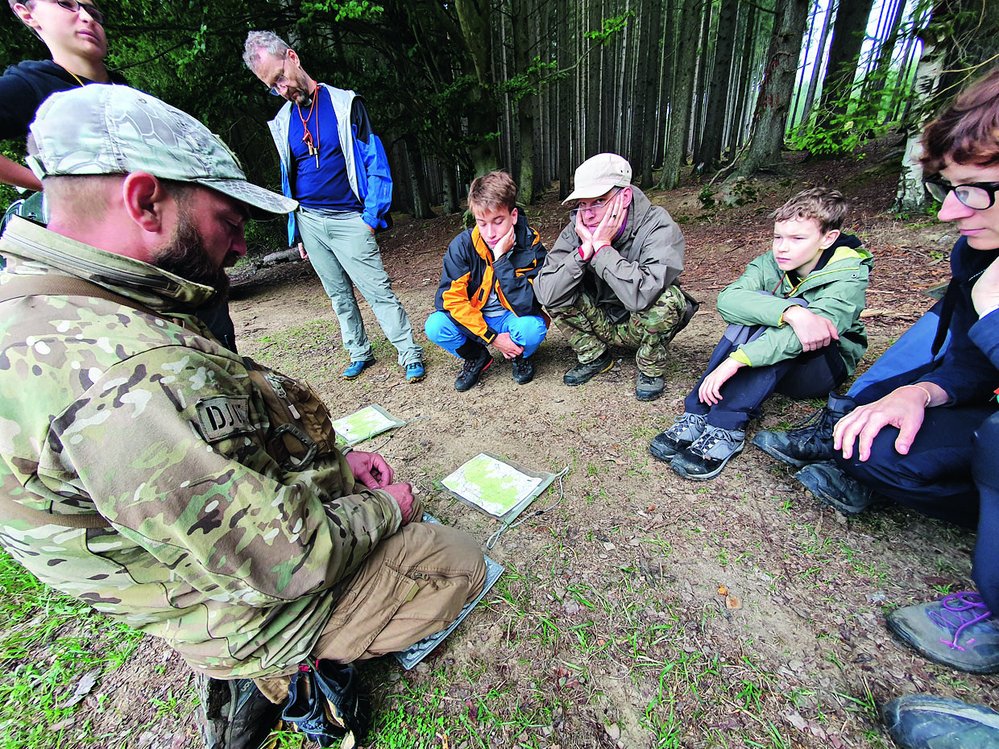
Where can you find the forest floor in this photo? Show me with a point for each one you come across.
(611, 626)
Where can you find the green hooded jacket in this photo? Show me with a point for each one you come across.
(835, 291)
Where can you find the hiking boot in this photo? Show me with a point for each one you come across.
(686, 428)
(648, 388)
(812, 440)
(235, 715)
(958, 631)
(472, 369)
(708, 454)
(522, 369)
(415, 372)
(354, 369)
(919, 721)
(833, 486)
(585, 372)
(327, 703)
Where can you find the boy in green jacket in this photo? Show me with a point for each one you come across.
(794, 327)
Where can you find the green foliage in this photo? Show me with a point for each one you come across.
(706, 197)
(609, 28)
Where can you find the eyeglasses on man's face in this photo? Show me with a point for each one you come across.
(281, 81)
(979, 196)
(74, 7)
(593, 206)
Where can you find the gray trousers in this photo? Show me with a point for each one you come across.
(345, 254)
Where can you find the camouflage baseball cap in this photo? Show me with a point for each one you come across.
(102, 129)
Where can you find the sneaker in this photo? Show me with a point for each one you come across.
(919, 721)
(585, 372)
(648, 388)
(472, 370)
(812, 440)
(958, 631)
(833, 486)
(415, 372)
(522, 370)
(235, 715)
(354, 369)
(708, 454)
(686, 428)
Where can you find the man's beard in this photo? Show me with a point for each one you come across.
(186, 257)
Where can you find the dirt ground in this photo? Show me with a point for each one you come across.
(609, 628)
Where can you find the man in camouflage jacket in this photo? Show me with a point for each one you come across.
(148, 470)
(612, 277)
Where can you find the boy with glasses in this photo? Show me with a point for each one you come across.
(612, 277)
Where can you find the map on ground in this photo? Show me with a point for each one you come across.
(364, 424)
(496, 486)
(420, 650)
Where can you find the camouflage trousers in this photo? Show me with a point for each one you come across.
(591, 331)
(413, 584)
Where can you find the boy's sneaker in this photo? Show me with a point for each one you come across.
(585, 372)
(708, 454)
(354, 369)
(958, 631)
(812, 440)
(833, 486)
(648, 388)
(919, 721)
(234, 714)
(472, 370)
(686, 428)
(522, 369)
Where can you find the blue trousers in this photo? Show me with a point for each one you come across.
(809, 375)
(905, 361)
(527, 331)
(985, 458)
(935, 477)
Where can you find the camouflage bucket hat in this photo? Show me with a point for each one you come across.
(101, 129)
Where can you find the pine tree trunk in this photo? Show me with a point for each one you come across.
(482, 111)
(770, 117)
(676, 141)
(648, 126)
(714, 119)
(813, 82)
(841, 67)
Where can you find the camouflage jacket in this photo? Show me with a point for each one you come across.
(224, 538)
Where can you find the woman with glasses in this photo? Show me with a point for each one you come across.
(74, 34)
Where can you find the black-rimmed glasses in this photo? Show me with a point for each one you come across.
(979, 196)
(74, 7)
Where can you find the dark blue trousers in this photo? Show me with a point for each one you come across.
(809, 375)
(935, 477)
(985, 568)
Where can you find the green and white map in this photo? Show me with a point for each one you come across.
(491, 484)
(364, 424)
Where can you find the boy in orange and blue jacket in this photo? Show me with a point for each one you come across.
(486, 294)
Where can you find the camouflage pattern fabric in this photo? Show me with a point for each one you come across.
(234, 519)
(591, 331)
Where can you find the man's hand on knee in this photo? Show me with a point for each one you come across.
(370, 469)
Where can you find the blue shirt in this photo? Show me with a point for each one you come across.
(325, 187)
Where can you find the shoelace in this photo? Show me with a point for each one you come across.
(702, 446)
(813, 423)
(954, 613)
(683, 423)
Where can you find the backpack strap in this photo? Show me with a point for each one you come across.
(52, 284)
(12, 510)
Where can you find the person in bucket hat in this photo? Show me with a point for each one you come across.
(183, 490)
(612, 277)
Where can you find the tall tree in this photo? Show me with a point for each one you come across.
(844, 52)
(475, 17)
(683, 84)
(714, 120)
(774, 99)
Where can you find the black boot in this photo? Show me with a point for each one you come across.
(235, 715)
(477, 360)
(522, 370)
(812, 440)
